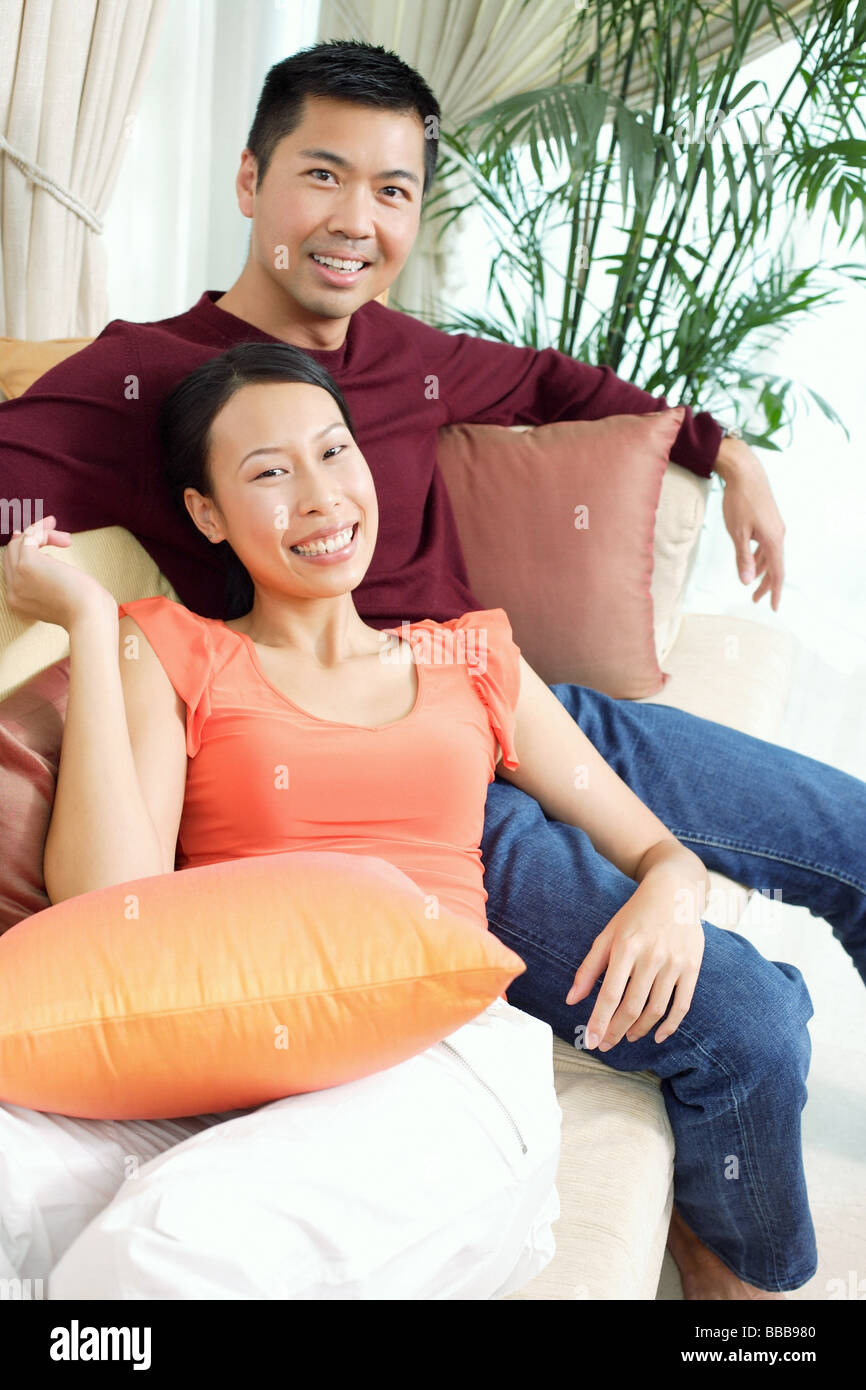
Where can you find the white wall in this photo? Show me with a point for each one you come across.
(819, 479)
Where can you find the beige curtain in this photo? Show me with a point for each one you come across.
(71, 74)
(473, 53)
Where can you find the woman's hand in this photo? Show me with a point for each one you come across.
(654, 945)
(649, 949)
(39, 586)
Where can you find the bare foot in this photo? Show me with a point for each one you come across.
(703, 1274)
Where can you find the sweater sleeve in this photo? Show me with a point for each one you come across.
(182, 642)
(74, 439)
(492, 383)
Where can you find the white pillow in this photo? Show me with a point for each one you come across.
(412, 1183)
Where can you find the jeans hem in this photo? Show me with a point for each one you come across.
(787, 1284)
(741, 1122)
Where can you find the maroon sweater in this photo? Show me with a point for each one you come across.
(84, 440)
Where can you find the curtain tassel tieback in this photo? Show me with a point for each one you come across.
(63, 195)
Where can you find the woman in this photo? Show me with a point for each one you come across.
(261, 455)
(271, 493)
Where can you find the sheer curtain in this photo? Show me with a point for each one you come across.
(174, 229)
(71, 76)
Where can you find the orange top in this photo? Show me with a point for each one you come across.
(264, 776)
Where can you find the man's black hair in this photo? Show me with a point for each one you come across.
(344, 70)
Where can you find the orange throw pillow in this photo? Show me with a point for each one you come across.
(229, 985)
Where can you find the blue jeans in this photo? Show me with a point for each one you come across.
(733, 1075)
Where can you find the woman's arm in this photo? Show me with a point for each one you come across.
(654, 944)
(572, 782)
(122, 773)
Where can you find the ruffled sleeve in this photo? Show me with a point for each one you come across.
(493, 664)
(182, 642)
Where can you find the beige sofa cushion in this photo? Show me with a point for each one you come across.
(730, 670)
(23, 362)
(112, 556)
(679, 520)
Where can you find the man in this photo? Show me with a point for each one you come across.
(340, 154)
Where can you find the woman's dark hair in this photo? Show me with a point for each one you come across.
(188, 412)
(344, 70)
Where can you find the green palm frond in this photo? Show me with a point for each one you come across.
(689, 184)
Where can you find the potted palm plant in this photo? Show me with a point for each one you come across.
(641, 206)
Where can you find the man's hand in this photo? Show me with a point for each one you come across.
(751, 513)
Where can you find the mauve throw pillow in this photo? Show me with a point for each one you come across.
(31, 733)
(557, 525)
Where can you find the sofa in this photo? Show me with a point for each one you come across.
(616, 1172)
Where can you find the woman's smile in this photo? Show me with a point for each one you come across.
(337, 547)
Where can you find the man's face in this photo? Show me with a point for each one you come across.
(347, 184)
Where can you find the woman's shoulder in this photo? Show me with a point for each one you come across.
(184, 644)
(180, 638)
(167, 617)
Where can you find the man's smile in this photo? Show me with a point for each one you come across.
(339, 270)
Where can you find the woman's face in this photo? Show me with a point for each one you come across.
(286, 471)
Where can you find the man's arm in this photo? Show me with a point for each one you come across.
(490, 383)
(71, 445)
(482, 382)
